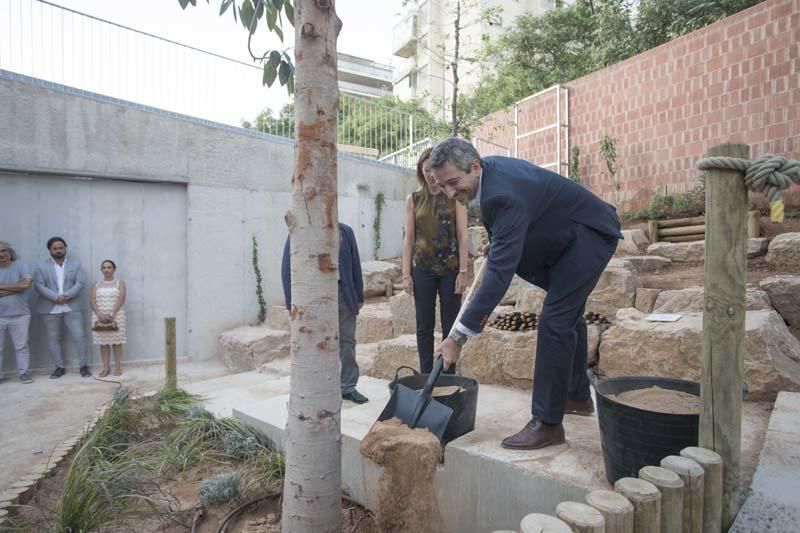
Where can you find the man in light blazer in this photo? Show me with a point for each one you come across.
(59, 282)
(553, 233)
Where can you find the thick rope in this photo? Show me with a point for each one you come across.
(768, 174)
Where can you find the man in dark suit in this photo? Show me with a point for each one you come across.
(351, 299)
(552, 233)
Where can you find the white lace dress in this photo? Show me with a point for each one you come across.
(107, 296)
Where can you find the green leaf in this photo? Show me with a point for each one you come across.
(290, 85)
(183, 3)
(287, 7)
(259, 8)
(269, 74)
(278, 32)
(271, 16)
(278, 4)
(224, 7)
(246, 13)
(284, 72)
(275, 58)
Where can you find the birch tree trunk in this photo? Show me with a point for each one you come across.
(312, 486)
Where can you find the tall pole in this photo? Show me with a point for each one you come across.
(170, 354)
(724, 321)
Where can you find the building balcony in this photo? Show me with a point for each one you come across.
(404, 41)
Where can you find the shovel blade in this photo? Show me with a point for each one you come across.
(402, 404)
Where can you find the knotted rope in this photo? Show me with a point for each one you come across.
(768, 174)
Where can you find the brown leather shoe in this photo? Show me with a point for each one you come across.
(536, 434)
(579, 407)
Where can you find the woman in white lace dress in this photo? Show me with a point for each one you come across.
(108, 317)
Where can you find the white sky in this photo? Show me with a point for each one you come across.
(42, 41)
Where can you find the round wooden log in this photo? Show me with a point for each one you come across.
(581, 518)
(753, 224)
(615, 508)
(681, 230)
(646, 500)
(675, 222)
(671, 487)
(712, 485)
(692, 475)
(652, 230)
(542, 523)
(684, 238)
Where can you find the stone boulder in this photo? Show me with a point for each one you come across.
(378, 275)
(636, 347)
(404, 314)
(517, 285)
(476, 237)
(627, 247)
(646, 299)
(615, 290)
(248, 347)
(784, 251)
(374, 323)
(393, 353)
(691, 300)
(365, 357)
(679, 252)
(636, 236)
(784, 293)
(648, 263)
(278, 318)
(530, 299)
(756, 247)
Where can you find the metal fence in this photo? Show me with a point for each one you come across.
(41, 39)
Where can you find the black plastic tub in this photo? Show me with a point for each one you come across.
(632, 438)
(464, 403)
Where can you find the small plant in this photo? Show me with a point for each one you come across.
(380, 201)
(262, 304)
(259, 473)
(608, 151)
(220, 489)
(240, 445)
(574, 165)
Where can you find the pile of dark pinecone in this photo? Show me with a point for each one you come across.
(517, 321)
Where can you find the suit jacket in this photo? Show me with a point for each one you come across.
(350, 279)
(44, 281)
(534, 216)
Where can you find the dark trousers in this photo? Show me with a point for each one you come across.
(562, 347)
(426, 286)
(347, 345)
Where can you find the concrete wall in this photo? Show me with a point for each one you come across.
(237, 185)
(737, 80)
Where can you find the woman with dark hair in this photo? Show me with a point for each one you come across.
(434, 258)
(108, 317)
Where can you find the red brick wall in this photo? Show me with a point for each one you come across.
(734, 81)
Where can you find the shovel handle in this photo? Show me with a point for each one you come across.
(425, 395)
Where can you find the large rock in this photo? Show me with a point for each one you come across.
(615, 290)
(691, 300)
(679, 251)
(648, 263)
(278, 318)
(394, 353)
(784, 251)
(784, 293)
(636, 236)
(378, 275)
(404, 314)
(627, 247)
(757, 247)
(517, 285)
(374, 323)
(646, 299)
(636, 347)
(249, 347)
(476, 237)
(530, 299)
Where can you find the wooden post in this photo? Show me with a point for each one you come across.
(615, 508)
(646, 502)
(671, 487)
(679, 231)
(581, 518)
(712, 483)
(652, 230)
(692, 476)
(723, 322)
(170, 357)
(542, 523)
(754, 224)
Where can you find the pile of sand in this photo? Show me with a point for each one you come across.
(660, 400)
(410, 458)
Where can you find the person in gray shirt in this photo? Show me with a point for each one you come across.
(15, 315)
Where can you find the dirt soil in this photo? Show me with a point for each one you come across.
(410, 457)
(660, 401)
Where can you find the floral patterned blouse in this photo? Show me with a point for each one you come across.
(435, 242)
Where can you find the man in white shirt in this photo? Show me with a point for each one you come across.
(59, 283)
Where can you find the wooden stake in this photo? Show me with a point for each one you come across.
(671, 487)
(170, 356)
(685, 238)
(692, 476)
(652, 230)
(712, 483)
(754, 224)
(615, 508)
(678, 231)
(581, 517)
(646, 502)
(675, 222)
(542, 523)
(723, 322)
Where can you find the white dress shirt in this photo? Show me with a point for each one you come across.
(458, 325)
(59, 269)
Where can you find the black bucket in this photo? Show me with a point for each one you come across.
(632, 438)
(464, 402)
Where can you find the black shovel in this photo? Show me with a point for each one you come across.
(418, 409)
